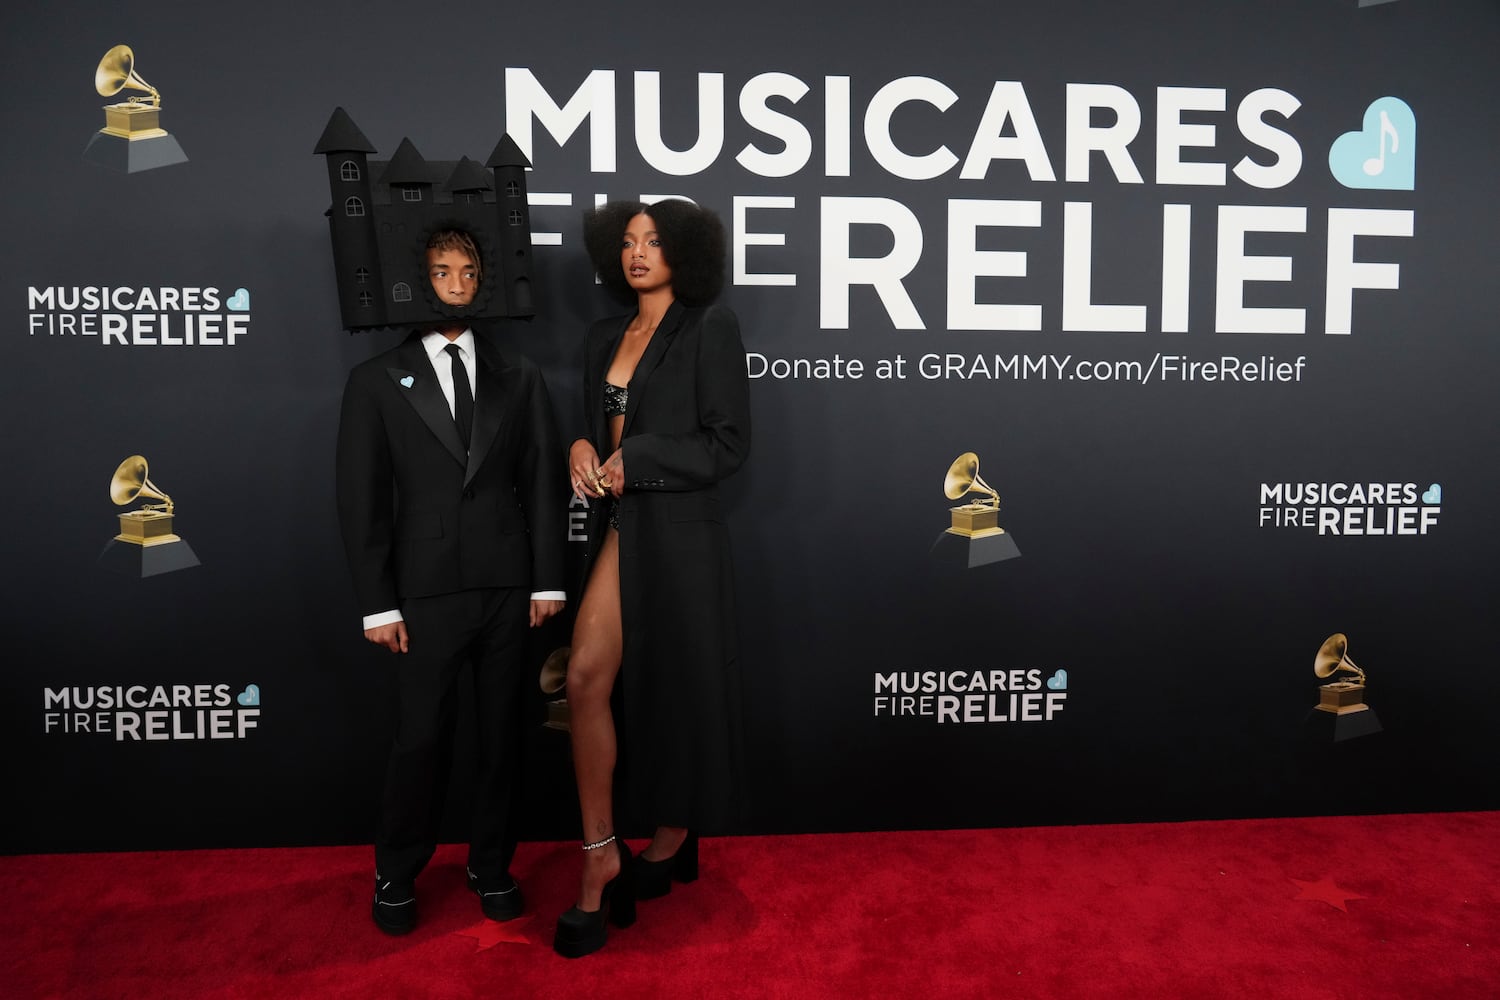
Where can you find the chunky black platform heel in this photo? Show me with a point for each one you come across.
(581, 932)
(653, 879)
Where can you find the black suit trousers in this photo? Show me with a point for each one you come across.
(484, 629)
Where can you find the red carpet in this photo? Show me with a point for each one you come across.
(1385, 906)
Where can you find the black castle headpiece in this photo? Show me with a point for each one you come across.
(383, 213)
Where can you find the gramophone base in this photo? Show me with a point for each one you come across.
(1342, 709)
(1330, 727)
(955, 551)
(559, 716)
(139, 561)
(975, 519)
(131, 156)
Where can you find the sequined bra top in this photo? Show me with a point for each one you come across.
(615, 397)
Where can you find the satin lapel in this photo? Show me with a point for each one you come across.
(497, 383)
(598, 363)
(426, 396)
(655, 351)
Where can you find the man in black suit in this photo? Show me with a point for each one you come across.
(449, 476)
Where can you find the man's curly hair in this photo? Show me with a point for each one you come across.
(692, 241)
(457, 239)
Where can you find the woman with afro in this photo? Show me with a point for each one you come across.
(653, 678)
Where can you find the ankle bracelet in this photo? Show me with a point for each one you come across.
(603, 843)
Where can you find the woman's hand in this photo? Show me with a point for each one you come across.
(613, 473)
(583, 463)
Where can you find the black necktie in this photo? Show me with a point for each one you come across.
(463, 397)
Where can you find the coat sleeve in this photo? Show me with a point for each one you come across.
(365, 498)
(701, 457)
(585, 429)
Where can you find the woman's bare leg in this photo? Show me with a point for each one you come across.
(592, 667)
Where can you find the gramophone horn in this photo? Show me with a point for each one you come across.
(555, 671)
(963, 477)
(117, 71)
(1333, 657)
(130, 481)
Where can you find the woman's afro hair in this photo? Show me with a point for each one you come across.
(692, 241)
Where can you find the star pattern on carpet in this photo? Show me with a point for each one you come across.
(1327, 891)
(490, 933)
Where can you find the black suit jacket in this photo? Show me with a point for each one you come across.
(419, 516)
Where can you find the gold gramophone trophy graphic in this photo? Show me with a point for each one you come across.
(147, 545)
(1342, 702)
(132, 138)
(975, 537)
(554, 681)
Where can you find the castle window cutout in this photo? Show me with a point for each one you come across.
(512, 189)
(400, 292)
(467, 197)
(410, 192)
(515, 218)
(349, 171)
(366, 299)
(361, 275)
(354, 207)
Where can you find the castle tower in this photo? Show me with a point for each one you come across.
(466, 186)
(408, 184)
(513, 224)
(351, 222)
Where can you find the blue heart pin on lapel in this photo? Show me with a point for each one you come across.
(408, 381)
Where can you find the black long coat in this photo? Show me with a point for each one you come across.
(687, 428)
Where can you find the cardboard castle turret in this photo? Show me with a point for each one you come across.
(383, 212)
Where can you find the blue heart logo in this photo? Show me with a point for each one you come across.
(1382, 155)
(249, 696)
(1058, 681)
(408, 381)
(1434, 494)
(239, 302)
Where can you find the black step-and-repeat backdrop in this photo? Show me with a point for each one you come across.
(1122, 373)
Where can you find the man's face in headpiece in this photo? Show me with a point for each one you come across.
(454, 276)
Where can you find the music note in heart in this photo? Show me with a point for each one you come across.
(1375, 165)
(1382, 153)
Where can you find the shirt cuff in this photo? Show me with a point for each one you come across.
(383, 618)
(550, 595)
